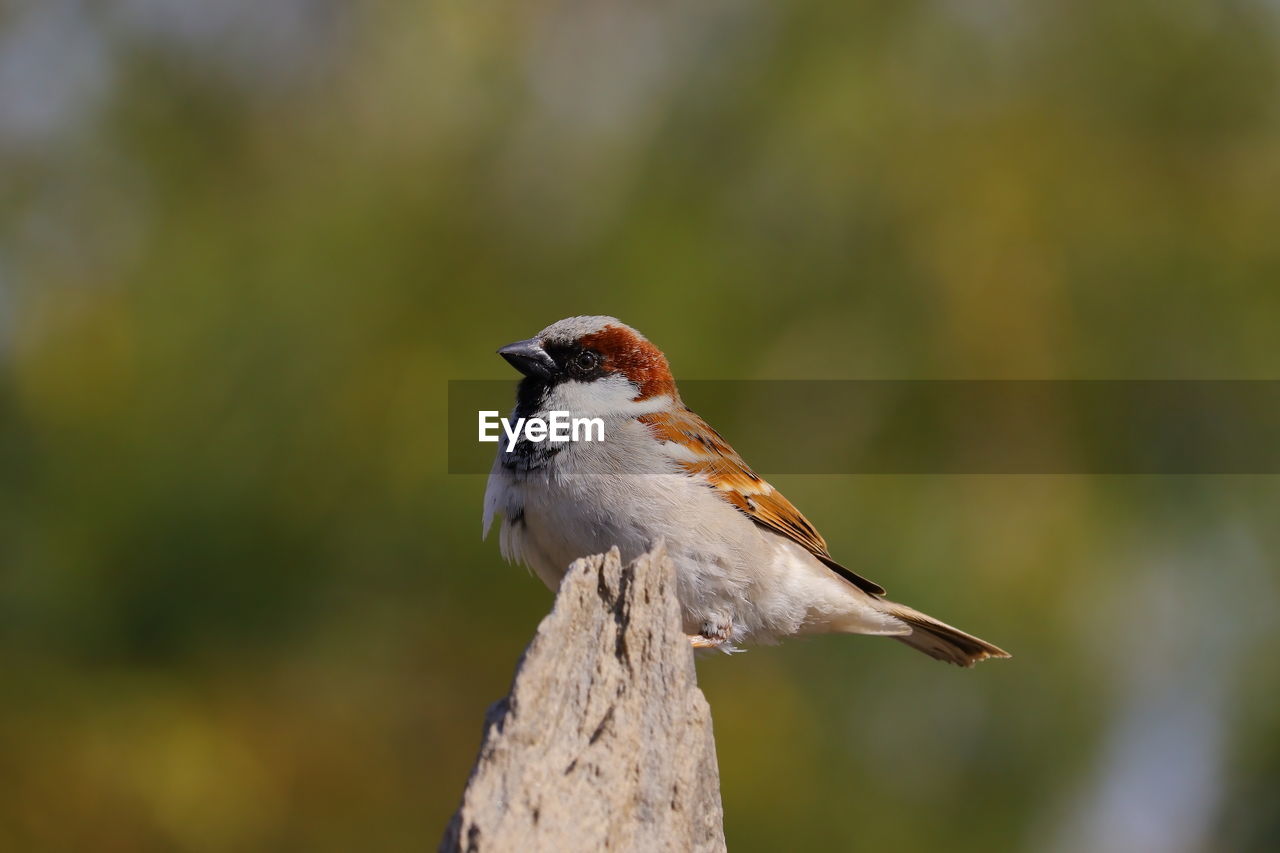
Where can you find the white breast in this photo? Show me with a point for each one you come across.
(732, 574)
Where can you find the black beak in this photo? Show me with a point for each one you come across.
(529, 358)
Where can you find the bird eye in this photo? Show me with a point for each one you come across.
(586, 361)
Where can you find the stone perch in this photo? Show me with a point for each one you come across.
(604, 742)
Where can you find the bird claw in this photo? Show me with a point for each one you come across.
(720, 644)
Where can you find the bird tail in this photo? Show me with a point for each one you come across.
(939, 640)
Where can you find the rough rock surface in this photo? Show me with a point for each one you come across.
(605, 741)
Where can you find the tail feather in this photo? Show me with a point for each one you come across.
(939, 640)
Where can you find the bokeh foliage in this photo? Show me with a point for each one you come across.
(244, 246)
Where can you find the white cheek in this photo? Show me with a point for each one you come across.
(609, 395)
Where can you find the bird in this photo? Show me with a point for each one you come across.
(750, 568)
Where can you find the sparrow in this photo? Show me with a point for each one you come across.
(749, 567)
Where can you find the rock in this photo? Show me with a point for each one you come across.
(605, 741)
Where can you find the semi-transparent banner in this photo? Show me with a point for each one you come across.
(951, 427)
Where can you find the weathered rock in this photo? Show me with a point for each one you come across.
(605, 741)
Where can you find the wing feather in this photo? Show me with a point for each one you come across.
(703, 452)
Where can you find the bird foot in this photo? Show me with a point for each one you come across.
(719, 640)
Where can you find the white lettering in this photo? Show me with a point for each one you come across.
(558, 427)
(487, 423)
(587, 424)
(512, 434)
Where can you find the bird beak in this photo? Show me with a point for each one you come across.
(529, 358)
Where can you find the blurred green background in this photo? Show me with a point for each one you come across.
(244, 245)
